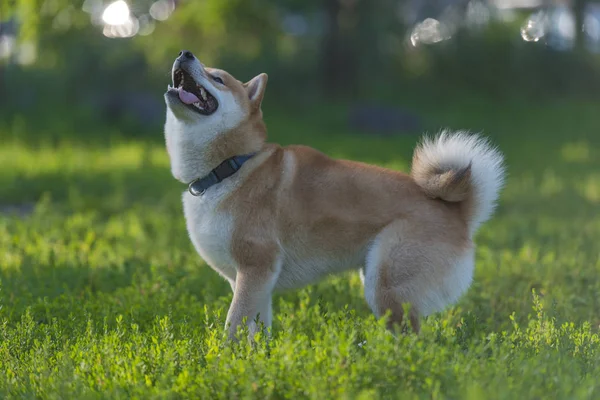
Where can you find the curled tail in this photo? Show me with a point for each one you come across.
(460, 167)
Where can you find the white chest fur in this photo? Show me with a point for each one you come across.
(210, 231)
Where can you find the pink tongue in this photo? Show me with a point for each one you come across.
(187, 97)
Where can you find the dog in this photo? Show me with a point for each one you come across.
(270, 218)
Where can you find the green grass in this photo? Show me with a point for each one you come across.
(103, 296)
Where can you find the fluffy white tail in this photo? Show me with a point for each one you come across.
(460, 167)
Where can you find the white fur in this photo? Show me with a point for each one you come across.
(210, 231)
(455, 151)
(430, 296)
(368, 274)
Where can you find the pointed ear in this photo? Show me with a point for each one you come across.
(256, 89)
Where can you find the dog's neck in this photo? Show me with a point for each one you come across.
(194, 153)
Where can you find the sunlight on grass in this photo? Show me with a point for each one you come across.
(67, 157)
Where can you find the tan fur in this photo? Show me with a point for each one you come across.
(293, 215)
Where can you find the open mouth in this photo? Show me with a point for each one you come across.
(192, 94)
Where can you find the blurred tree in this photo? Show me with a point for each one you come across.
(579, 9)
(341, 48)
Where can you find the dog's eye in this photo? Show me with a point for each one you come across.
(217, 79)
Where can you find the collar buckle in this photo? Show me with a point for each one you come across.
(193, 190)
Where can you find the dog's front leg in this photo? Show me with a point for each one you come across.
(251, 299)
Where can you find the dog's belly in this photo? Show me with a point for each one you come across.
(306, 266)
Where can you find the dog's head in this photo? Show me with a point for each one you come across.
(210, 116)
(209, 99)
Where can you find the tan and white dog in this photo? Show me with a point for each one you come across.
(283, 217)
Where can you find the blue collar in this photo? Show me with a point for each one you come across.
(224, 170)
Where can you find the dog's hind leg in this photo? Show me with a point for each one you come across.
(412, 264)
(383, 297)
(381, 277)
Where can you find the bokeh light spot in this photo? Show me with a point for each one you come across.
(534, 28)
(429, 31)
(116, 13)
(162, 9)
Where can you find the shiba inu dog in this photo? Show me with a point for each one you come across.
(269, 218)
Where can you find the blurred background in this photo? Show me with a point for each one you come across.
(105, 64)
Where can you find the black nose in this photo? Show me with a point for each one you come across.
(186, 54)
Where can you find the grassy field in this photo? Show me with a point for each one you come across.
(103, 296)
